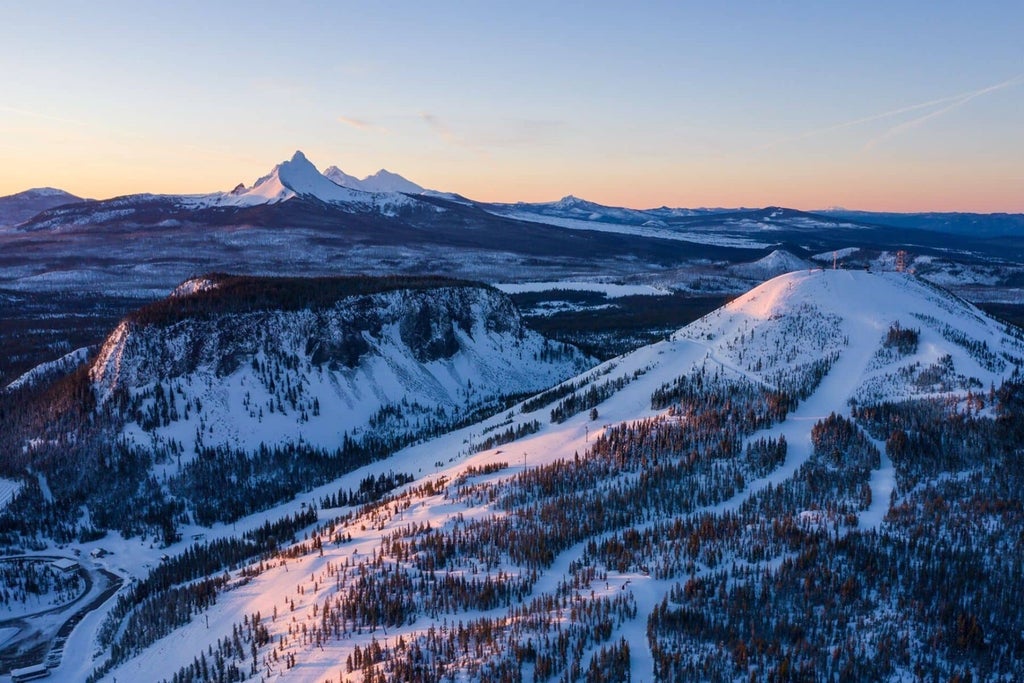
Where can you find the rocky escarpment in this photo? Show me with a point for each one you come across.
(271, 359)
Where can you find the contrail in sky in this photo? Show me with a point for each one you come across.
(951, 102)
(38, 115)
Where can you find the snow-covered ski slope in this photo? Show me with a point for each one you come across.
(823, 336)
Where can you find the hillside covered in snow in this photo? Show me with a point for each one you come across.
(20, 207)
(775, 491)
(237, 393)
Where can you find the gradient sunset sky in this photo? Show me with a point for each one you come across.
(898, 105)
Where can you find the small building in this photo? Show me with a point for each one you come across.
(29, 673)
(97, 553)
(64, 565)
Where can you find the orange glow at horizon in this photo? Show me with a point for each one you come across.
(897, 188)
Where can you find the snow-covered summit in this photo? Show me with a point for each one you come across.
(22, 206)
(797, 319)
(573, 202)
(45, 192)
(386, 181)
(339, 177)
(776, 263)
(298, 177)
(381, 181)
(292, 178)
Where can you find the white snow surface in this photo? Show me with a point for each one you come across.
(291, 178)
(610, 290)
(776, 263)
(489, 362)
(298, 177)
(595, 222)
(381, 181)
(808, 313)
(827, 256)
(196, 284)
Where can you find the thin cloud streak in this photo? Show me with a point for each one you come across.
(952, 102)
(440, 128)
(958, 102)
(361, 124)
(448, 136)
(41, 116)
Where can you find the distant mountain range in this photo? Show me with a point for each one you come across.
(973, 224)
(299, 178)
(297, 220)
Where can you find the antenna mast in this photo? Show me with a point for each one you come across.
(901, 261)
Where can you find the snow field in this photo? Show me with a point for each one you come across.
(610, 290)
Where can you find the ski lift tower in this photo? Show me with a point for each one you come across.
(901, 261)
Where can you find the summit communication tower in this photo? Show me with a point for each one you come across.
(901, 261)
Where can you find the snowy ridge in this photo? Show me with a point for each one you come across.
(339, 177)
(293, 178)
(646, 229)
(106, 369)
(62, 365)
(609, 289)
(822, 337)
(448, 350)
(736, 228)
(189, 287)
(381, 181)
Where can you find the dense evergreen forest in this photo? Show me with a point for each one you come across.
(784, 586)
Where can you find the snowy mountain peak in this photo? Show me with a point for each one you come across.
(46, 192)
(569, 201)
(776, 263)
(302, 177)
(293, 178)
(381, 181)
(815, 313)
(842, 292)
(386, 181)
(22, 206)
(339, 177)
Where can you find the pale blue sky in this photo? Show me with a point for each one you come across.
(894, 105)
